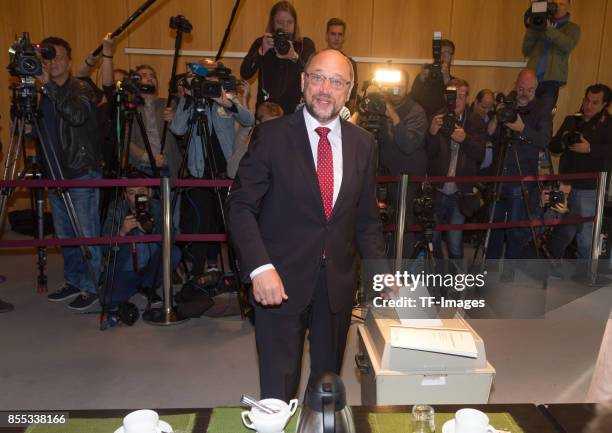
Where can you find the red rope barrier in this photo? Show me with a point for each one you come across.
(476, 179)
(226, 183)
(72, 242)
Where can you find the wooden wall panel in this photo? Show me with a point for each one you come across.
(584, 60)
(604, 74)
(496, 79)
(488, 29)
(404, 28)
(314, 14)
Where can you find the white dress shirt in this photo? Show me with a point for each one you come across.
(335, 139)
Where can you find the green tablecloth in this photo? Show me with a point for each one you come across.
(228, 420)
(400, 422)
(182, 422)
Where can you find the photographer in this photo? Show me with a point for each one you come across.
(400, 137)
(199, 206)
(523, 139)
(154, 113)
(455, 145)
(137, 264)
(548, 50)
(69, 127)
(484, 106)
(428, 90)
(583, 142)
(279, 57)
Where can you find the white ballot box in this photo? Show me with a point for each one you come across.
(399, 364)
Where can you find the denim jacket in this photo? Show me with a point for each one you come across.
(223, 121)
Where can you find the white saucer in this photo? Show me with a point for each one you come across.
(162, 426)
(449, 426)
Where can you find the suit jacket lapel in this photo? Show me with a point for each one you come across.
(305, 161)
(348, 165)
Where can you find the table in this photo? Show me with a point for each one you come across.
(568, 418)
(528, 416)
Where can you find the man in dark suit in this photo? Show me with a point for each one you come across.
(301, 207)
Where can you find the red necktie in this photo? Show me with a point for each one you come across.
(325, 170)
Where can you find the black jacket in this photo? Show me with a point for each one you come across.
(528, 144)
(280, 78)
(429, 94)
(402, 146)
(598, 132)
(79, 140)
(275, 212)
(471, 151)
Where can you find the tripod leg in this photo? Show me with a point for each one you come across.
(147, 143)
(14, 157)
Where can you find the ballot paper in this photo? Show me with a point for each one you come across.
(450, 341)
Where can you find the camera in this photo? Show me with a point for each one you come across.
(509, 112)
(574, 136)
(449, 121)
(423, 207)
(556, 197)
(373, 108)
(202, 88)
(435, 69)
(385, 211)
(538, 15)
(142, 213)
(281, 42)
(24, 61)
(181, 24)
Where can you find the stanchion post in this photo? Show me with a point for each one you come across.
(597, 225)
(167, 245)
(401, 222)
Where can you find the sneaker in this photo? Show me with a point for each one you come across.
(155, 300)
(63, 294)
(84, 301)
(5, 307)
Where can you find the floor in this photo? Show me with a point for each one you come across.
(54, 358)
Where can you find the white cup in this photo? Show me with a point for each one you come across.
(472, 421)
(141, 421)
(263, 422)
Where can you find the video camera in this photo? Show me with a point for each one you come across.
(132, 84)
(281, 42)
(201, 87)
(449, 121)
(506, 109)
(538, 15)
(142, 212)
(435, 68)
(372, 109)
(423, 207)
(24, 61)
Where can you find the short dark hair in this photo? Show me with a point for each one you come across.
(600, 88)
(448, 43)
(270, 109)
(336, 22)
(483, 93)
(54, 40)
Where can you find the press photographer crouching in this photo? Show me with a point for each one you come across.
(136, 265)
(524, 130)
(209, 106)
(399, 124)
(68, 124)
(278, 57)
(455, 145)
(583, 140)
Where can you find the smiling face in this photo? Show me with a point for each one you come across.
(323, 99)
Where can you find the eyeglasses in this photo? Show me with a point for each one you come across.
(318, 80)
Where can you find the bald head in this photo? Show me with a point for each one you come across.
(525, 86)
(335, 58)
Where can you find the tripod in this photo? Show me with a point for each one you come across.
(505, 139)
(199, 124)
(24, 111)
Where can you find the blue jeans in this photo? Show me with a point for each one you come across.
(447, 212)
(85, 200)
(511, 207)
(548, 93)
(581, 203)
